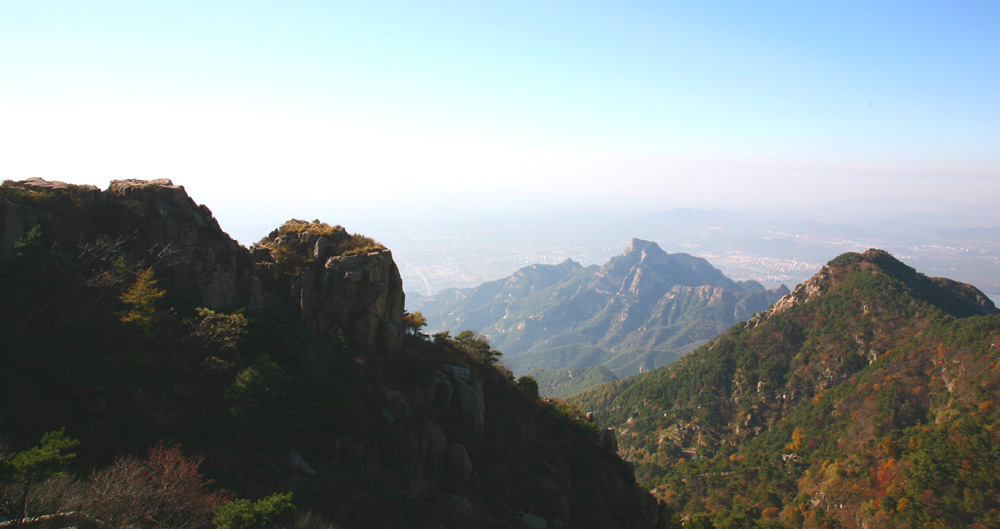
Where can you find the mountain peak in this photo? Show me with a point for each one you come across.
(641, 247)
(957, 299)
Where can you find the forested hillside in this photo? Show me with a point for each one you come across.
(865, 398)
(155, 373)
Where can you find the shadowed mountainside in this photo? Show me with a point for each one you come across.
(130, 319)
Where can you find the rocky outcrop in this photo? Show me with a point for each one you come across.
(146, 221)
(609, 441)
(216, 268)
(459, 463)
(433, 444)
(467, 390)
(358, 295)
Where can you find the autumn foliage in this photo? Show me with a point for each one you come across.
(166, 487)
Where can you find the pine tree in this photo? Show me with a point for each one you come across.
(141, 300)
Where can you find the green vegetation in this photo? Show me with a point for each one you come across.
(414, 322)
(166, 489)
(564, 383)
(30, 467)
(528, 385)
(476, 345)
(871, 404)
(264, 513)
(28, 242)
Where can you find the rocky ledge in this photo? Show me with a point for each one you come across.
(341, 284)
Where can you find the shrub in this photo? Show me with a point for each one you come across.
(220, 333)
(414, 322)
(528, 385)
(476, 344)
(261, 514)
(166, 487)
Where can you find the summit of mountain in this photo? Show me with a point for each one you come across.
(952, 297)
(865, 397)
(658, 268)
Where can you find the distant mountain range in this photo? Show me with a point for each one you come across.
(865, 398)
(641, 310)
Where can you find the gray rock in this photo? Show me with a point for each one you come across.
(298, 462)
(469, 390)
(609, 441)
(319, 249)
(433, 439)
(459, 464)
(443, 389)
(458, 511)
(532, 521)
(360, 294)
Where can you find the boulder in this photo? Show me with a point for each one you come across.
(458, 511)
(442, 389)
(609, 441)
(459, 464)
(433, 439)
(469, 390)
(297, 462)
(532, 521)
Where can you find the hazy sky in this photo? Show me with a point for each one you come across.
(265, 110)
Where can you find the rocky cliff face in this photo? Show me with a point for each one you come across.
(358, 295)
(150, 221)
(340, 283)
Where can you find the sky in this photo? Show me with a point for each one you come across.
(348, 110)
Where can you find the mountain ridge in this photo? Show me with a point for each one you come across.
(827, 409)
(640, 310)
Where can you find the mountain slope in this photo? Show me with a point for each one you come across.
(563, 383)
(480, 307)
(640, 310)
(129, 318)
(837, 406)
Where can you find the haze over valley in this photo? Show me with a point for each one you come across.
(435, 254)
